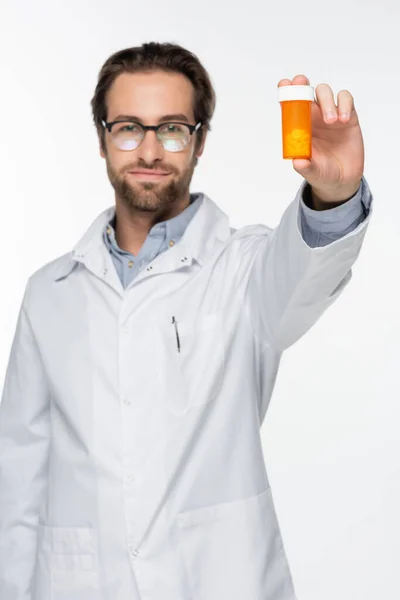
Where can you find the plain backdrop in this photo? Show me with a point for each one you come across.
(331, 435)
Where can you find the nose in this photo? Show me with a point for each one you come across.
(150, 149)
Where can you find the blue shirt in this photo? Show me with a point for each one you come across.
(160, 237)
(319, 228)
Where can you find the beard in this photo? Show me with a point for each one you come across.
(148, 196)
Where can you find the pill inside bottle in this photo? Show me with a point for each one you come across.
(295, 101)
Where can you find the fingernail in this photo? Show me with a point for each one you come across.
(330, 115)
(345, 116)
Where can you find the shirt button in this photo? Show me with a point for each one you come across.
(172, 243)
(130, 263)
(135, 552)
(126, 401)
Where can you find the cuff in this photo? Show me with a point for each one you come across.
(340, 218)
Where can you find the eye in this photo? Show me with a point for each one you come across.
(127, 128)
(171, 128)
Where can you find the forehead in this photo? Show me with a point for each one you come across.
(150, 95)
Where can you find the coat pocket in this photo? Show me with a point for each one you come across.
(191, 361)
(234, 550)
(66, 564)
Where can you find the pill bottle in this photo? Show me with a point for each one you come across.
(295, 101)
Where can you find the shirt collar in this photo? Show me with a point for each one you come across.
(171, 229)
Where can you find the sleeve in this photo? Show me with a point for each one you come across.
(322, 227)
(290, 284)
(24, 451)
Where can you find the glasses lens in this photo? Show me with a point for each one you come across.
(174, 137)
(127, 136)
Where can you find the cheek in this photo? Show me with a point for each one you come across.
(118, 163)
(187, 160)
(116, 159)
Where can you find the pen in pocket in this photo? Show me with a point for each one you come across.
(178, 343)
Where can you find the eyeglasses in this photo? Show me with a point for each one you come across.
(128, 135)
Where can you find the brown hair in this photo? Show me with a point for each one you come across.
(154, 56)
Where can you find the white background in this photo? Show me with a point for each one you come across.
(331, 435)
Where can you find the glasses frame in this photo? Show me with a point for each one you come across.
(155, 128)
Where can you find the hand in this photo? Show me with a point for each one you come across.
(337, 164)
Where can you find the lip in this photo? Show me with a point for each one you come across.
(148, 174)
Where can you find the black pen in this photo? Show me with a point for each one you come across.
(177, 333)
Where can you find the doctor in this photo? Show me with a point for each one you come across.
(143, 362)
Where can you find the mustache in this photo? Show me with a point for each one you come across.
(152, 167)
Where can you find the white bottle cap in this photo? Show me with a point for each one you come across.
(295, 92)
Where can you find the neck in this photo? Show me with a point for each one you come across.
(133, 225)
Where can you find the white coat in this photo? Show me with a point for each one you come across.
(131, 463)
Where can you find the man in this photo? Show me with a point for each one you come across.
(143, 363)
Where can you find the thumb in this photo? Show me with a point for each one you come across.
(306, 168)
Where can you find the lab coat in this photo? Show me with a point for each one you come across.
(131, 463)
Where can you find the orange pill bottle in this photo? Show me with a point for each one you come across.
(295, 101)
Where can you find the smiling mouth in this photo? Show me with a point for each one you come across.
(148, 175)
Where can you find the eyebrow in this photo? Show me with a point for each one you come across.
(165, 118)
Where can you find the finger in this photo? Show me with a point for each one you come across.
(345, 105)
(297, 80)
(326, 101)
(284, 82)
(301, 80)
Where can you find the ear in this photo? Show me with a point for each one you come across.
(102, 152)
(200, 150)
(101, 137)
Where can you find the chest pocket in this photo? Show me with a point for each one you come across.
(191, 361)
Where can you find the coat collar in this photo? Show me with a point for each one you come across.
(208, 228)
(171, 229)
